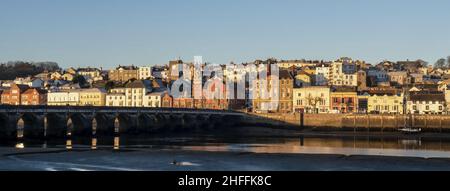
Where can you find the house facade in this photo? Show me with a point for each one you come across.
(424, 103)
(313, 99)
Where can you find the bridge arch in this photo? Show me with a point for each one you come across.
(102, 124)
(78, 124)
(123, 123)
(30, 125)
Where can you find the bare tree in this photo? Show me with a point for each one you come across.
(440, 63)
(313, 101)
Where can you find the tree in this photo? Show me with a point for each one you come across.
(313, 101)
(80, 80)
(109, 85)
(440, 63)
(12, 69)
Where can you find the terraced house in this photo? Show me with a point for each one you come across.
(23, 95)
(426, 103)
(132, 95)
(385, 103)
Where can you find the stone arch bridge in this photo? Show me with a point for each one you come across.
(60, 121)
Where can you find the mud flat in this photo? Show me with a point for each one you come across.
(173, 160)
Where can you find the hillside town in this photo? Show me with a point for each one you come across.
(308, 86)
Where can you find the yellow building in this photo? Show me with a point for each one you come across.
(385, 103)
(92, 97)
(303, 79)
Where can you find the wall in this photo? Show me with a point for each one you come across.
(435, 123)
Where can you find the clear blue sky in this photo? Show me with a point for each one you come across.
(145, 32)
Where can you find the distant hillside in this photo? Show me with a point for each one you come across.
(12, 69)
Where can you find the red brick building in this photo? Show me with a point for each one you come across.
(12, 96)
(167, 100)
(23, 95)
(34, 96)
(344, 100)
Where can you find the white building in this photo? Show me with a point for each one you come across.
(322, 75)
(132, 95)
(153, 99)
(63, 98)
(115, 100)
(144, 72)
(426, 103)
(31, 82)
(343, 74)
(312, 99)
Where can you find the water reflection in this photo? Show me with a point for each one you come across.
(20, 145)
(372, 145)
(94, 144)
(69, 144)
(116, 143)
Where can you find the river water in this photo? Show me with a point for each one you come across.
(310, 143)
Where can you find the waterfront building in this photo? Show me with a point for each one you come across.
(63, 98)
(124, 73)
(153, 99)
(426, 103)
(92, 97)
(183, 102)
(385, 103)
(286, 84)
(343, 100)
(312, 99)
(33, 96)
(115, 100)
(363, 102)
(132, 95)
(167, 100)
(12, 96)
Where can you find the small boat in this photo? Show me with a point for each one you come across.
(411, 130)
